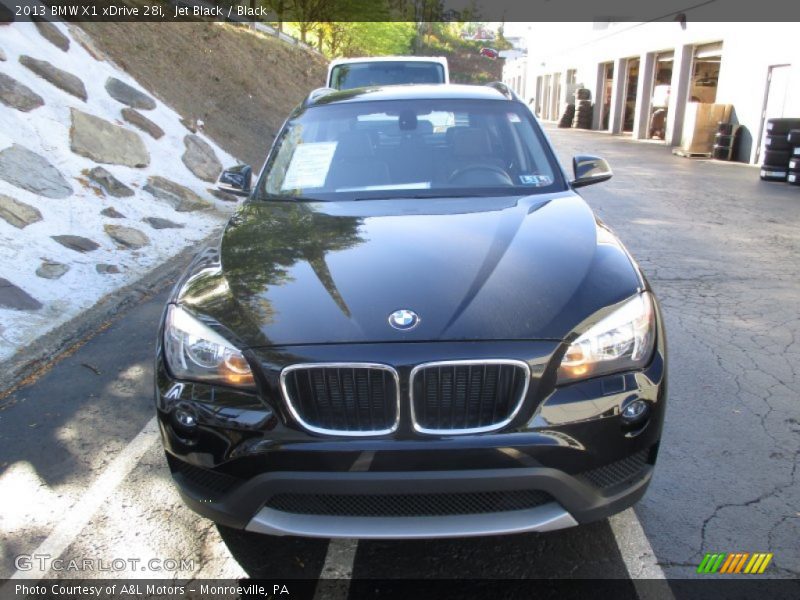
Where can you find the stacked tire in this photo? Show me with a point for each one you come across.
(582, 118)
(777, 149)
(583, 115)
(568, 116)
(725, 141)
(793, 176)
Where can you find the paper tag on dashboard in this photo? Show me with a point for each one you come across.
(309, 166)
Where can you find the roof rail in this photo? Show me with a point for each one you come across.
(503, 89)
(318, 93)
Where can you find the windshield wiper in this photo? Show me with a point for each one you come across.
(420, 196)
(287, 198)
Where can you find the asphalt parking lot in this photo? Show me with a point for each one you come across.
(80, 455)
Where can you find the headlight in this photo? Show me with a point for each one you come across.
(194, 351)
(622, 341)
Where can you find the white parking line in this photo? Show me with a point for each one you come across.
(647, 576)
(334, 579)
(95, 496)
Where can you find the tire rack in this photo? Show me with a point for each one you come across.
(582, 118)
(725, 141)
(779, 152)
(793, 176)
(566, 118)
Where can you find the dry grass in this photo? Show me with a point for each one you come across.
(240, 83)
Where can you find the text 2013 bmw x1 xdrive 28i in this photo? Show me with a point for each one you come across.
(413, 327)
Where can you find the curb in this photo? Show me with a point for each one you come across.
(32, 361)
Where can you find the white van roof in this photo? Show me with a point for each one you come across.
(373, 59)
(342, 61)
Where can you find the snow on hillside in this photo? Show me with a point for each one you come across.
(46, 131)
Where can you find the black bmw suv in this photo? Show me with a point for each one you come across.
(413, 327)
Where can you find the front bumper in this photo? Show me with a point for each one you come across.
(245, 456)
(566, 501)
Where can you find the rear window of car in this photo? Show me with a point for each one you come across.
(392, 148)
(355, 75)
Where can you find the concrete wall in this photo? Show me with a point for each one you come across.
(743, 78)
(748, 51)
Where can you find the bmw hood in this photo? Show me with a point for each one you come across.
(519, 268)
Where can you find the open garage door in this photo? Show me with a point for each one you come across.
(631, 87)
(774, 101)
(705, 73)
(661, 88)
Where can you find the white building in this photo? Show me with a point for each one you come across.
(642, 75)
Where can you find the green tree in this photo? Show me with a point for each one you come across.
(362, 38)
(306, 14)
(378, 38)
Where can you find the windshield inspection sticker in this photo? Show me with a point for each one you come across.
(537, 180)
(309, 166)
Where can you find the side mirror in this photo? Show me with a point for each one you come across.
(589, 170)
(236, 180)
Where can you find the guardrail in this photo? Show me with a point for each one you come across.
(267, 29)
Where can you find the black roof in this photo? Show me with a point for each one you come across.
(407, 92)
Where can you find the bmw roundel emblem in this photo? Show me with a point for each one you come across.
(404, 319)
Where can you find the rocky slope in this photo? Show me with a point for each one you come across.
(99, 180)
(240, 83)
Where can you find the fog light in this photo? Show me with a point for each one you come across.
(185, 418)
(635, 411)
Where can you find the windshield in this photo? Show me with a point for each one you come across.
(355, 75)
(410, 148)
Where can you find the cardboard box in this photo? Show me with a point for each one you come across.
(700, 124)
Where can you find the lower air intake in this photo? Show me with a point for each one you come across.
(617, 472)
(408, 505)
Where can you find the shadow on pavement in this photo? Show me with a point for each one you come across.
(268, 557)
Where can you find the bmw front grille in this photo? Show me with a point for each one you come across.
(467, 396)
(446, 397)
(353, 399)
